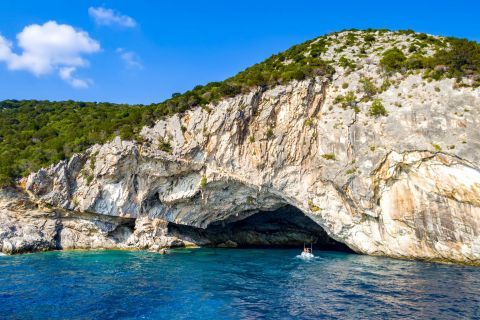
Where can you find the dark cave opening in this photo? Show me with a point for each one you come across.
(286, 227)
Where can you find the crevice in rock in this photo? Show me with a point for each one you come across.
(123, 230)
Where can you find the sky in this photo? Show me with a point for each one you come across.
(141, 51)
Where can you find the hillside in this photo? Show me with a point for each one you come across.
(361, 140)
(34, 134)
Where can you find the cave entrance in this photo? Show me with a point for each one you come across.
(284, 227)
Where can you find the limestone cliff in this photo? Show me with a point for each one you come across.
(405, 184)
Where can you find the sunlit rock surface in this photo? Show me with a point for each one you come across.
(405, 185)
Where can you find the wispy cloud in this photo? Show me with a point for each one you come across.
(130, 58)
(66, 73)
(48, 48)
(108, 17)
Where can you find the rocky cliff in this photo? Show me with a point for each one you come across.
(403, 183)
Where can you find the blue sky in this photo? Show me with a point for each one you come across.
(142, 51)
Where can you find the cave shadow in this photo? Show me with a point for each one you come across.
(286, 227)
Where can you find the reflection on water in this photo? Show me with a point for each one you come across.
(233, 284)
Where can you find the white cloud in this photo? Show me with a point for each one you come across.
(66, 74)
(130, 58)
(107, 17)
(48, 48)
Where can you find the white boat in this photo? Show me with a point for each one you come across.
(307, 255)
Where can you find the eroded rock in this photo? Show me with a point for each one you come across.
(406, 185)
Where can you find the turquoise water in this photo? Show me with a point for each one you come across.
(232, 284)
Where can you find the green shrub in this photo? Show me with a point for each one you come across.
(369, 38)
(415, 62)
(269, 134)
(203, 182)
(351, 171)
(93, 157)
(164, 146)
(413, 48)
(347, 101)
(369, 87)
(351, 38)
(461, 59)
(436, 147)
(328, 156)
(377, 109)
(393, 60)
(308, 122)
(346, 63)
(385, 85)
(89, 179)
(406, 32)
(312, 206)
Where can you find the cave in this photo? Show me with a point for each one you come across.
(282, 228)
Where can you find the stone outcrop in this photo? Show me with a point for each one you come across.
(405, 185)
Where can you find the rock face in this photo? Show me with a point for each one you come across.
(404, 185)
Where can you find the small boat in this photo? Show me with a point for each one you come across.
(307, 252)
(307, 255)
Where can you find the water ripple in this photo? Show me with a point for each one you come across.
(232, 284)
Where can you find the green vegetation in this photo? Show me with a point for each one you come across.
(329, 156)
(351, 171)
(385, 85)
(269, 134)
(348, 101)
(393, 60)
(89, 178)
(346, 63)
(165, 146)
(308, 122)
(312, 206)
(377, 109)
(34, 134)
(369, 38)
(93, 156)
(462, 59)
(369, 88)
(453, 58)
(203, 182)
(436, 147)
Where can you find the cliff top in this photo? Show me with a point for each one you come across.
(34, 134)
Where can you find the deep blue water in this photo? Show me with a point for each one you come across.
(232, 284)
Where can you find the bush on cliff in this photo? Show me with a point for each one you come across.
(377, 109)
(393, 60)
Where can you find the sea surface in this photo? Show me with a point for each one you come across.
(232, 284)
